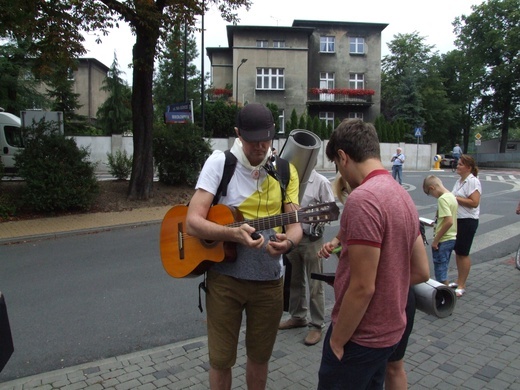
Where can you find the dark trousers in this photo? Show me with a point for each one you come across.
(360, 367)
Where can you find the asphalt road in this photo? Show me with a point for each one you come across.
(81, 298)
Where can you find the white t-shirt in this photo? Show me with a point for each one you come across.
(256, 195)
(464, 189)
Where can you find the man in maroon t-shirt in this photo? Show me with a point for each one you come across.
(384, 255)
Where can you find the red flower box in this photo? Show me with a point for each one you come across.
(342, 91)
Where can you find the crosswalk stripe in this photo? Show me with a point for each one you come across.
(483, 218)
(481, 241)
(502, 178)
(495, 237)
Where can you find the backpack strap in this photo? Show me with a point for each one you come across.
(282, 166)
(229, 170)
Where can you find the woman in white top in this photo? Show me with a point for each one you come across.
(467, 191)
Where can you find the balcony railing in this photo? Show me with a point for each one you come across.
(341, 95)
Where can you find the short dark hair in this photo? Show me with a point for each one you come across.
(356, 138)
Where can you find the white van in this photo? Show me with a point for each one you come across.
(11, 140)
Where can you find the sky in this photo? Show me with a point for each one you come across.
(431, 20)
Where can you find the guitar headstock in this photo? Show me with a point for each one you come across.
(325, 212)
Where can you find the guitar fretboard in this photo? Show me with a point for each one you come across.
(270, 222)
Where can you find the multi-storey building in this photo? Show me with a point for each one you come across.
(322, 68)
(87, 80)
(88, 83)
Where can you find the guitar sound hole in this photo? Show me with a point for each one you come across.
(209, 243)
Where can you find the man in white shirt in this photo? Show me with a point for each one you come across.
(397, 167)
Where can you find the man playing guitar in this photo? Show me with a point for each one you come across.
(254, 281)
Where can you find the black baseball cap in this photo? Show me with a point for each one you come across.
(255, 123)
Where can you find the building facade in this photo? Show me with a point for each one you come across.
(322, 68)
(88, 80)
(87, 83)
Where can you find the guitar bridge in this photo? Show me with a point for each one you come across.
(180, 240)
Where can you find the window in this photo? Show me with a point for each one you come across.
(281, 121)
(357, 45)
(13, 136)
(326, 82)
(278, 44)
(356, 81)
(270, 78)
(327, 44)
(328, 117)
(355, 115)
(262, 43)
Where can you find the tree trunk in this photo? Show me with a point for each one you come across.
(141, 179)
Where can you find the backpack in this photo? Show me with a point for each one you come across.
(282, 174)
(282, 168)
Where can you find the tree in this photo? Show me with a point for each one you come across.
(302, 123)
(459, 79)
(276, 115)
(60, 91)
(413, 90)
(410, 107)
(17, 84)
(55, 28)
(438, 110)
(114, 116)
(292, 124)
(406, 62)
(170, 83)
(489, 38)
(222, 116)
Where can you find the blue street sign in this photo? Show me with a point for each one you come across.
(178, 113)
(418, 132)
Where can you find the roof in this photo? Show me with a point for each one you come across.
(327, 23)
(96, 62)
(232, 28)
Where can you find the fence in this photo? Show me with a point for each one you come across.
(418, 156)
(497, 160)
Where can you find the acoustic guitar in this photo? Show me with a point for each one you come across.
(183, 255)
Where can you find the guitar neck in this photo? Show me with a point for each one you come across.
(269, 222)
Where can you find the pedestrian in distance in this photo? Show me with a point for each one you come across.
(304, 262)
(397, 165)
(253, 283)
(385, 256)
(445, 231)
(467, 191)
(456, 153)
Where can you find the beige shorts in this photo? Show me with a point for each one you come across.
(227, 298)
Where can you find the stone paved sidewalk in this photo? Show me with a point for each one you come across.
(477, 347)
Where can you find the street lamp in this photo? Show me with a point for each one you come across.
(241, 63)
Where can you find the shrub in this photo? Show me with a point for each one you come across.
(57, 173)
(7, 206)
(179, 153)
(222, 117)
(120, 164)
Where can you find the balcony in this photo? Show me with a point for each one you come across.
(214, 94)
(340, 96)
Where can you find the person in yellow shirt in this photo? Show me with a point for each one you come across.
(445, 227)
